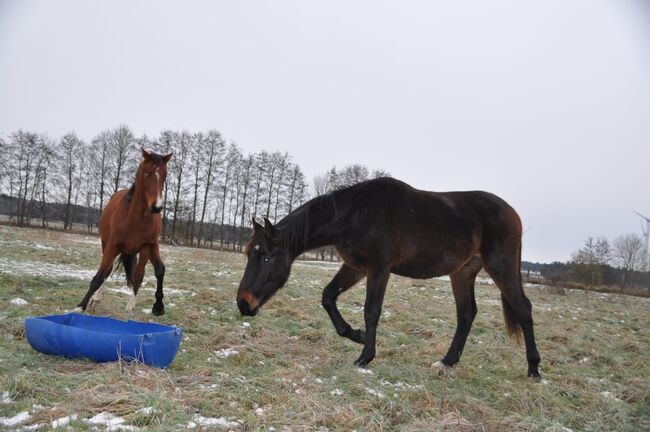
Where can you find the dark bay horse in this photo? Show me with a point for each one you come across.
(130, 224)
(385, 226)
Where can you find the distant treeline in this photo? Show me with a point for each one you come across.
(582, 275)
(212, 191)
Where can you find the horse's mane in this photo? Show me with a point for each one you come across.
(295, 226)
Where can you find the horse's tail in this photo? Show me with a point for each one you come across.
(512, 325)
(128, 262)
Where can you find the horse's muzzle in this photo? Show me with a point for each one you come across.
(245, 308)
(155, 209)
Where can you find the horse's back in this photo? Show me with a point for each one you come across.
(430, 233)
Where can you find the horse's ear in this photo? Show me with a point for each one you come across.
(269, 229)
(256, 226)
(145, 154)
(167, 157)
(268, 226)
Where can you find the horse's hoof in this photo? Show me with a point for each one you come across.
(362, 361)
(158, 310)
(441, 367)
(534, 375)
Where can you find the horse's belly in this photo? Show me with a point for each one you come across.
(419, 271)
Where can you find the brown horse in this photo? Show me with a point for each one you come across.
(385, 226)
(130, 224)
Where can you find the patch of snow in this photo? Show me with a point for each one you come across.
(39, 268)
(147, 410)
(365, 371)
(63, 421)
(379, 394)
(6, 398)
(245, 324)
(337, 392)
(107, 419)
(226, 352)
(401, 385)
(609, 395)
(19, 418)
(259, 411)
(18, 302)
(583, 360)
(224, 422)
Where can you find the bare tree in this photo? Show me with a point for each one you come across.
(70, 148)
(181, 148)
(122, 154)
(628, 254)
(99, 160)
(213, 146)
(229, 167)
(245, 180)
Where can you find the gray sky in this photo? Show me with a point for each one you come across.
(545, 103)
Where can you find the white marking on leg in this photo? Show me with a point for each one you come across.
(131, 304)
(97, 297)
(78, 309)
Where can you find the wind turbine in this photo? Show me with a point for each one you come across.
(646, 236)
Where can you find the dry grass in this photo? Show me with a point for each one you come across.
(293, 372)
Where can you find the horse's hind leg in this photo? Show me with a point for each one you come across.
(345, 279)
(462, 284)
(105, 269)
(159, 269)
(503, 266)
(138, 275)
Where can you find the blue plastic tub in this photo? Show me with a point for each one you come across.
(103, 339)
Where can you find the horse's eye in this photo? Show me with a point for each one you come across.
(147, 174)
(266, 259)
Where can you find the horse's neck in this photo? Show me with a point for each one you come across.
(137, 204)
(316, 226)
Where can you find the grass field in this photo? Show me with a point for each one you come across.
(286, 369)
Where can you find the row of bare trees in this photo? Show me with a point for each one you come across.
(590, 264)
(213, 188)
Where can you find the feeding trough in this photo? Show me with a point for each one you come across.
(103, 339)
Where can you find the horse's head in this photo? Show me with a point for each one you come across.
(267, 270)
(151, 177)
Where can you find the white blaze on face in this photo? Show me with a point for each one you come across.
(257, 247)
(159, 201)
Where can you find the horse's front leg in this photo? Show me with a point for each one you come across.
(345, 279)
(159, 270)
(377, 280)
(104, 271)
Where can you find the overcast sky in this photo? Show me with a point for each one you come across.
(544, 103)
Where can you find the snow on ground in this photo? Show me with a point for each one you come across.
(6, 398)
(19, 418)
(199, 420)
(226, 352)
(39, 268)
(63, 421)
(18, 301)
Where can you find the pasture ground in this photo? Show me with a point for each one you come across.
(286, 369)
